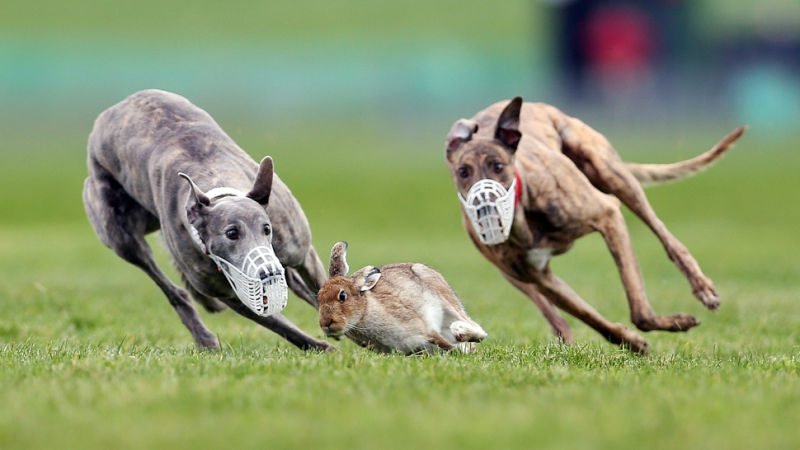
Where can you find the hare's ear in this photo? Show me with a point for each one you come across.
(371, 279)
(338, 266)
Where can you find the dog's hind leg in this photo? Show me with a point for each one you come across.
(702, 286)
(306, 280)
(121, 225)
(558, 325)
(595, 157)
(612, 227)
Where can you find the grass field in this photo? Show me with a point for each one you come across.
(92, 356)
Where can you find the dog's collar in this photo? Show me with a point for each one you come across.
(219, 192)
(518, 189)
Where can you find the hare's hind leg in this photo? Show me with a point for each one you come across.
(439, 341)
(467, 331)
(456, 324)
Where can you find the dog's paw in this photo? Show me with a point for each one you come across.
(683, 322)
(324, 347)
(637, 344)
(675, 322)
(628, 339)
(703, 289)
(708, 296)
(207, 341)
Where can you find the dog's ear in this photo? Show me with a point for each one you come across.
(338, 265)
(507, 131)
(460, 132)
(263, 184)
(198, 200)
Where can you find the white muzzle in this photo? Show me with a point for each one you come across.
(260, 284)
(490, 209)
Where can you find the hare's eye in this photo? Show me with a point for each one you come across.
(342, 295)
(232, 233)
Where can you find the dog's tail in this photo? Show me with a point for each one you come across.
(651, 174)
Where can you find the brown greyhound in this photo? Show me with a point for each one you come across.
(532, 180)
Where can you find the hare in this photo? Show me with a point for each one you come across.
(407, 308)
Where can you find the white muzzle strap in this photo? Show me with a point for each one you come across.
(490, 209)
(261, 282)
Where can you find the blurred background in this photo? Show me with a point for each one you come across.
(660, 64)
(377, 76)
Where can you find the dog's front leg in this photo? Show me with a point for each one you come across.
(558, 292)
(299, 287)
(283, 327)
(558, 325)
(306, 279)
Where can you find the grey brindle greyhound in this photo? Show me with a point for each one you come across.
(137, 149)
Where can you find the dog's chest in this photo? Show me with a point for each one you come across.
(539, 257)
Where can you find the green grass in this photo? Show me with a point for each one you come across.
(92, 356)
(314, 21)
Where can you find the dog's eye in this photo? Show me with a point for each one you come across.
(498, 167)
(232, 233)
(267, 229)
(342, 295)
(463, 171)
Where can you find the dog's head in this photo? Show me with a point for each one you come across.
(229, 224)
(474, 158)
(483, 170)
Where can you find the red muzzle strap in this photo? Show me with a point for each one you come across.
(518, 193)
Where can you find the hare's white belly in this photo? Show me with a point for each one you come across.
(432, 312)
